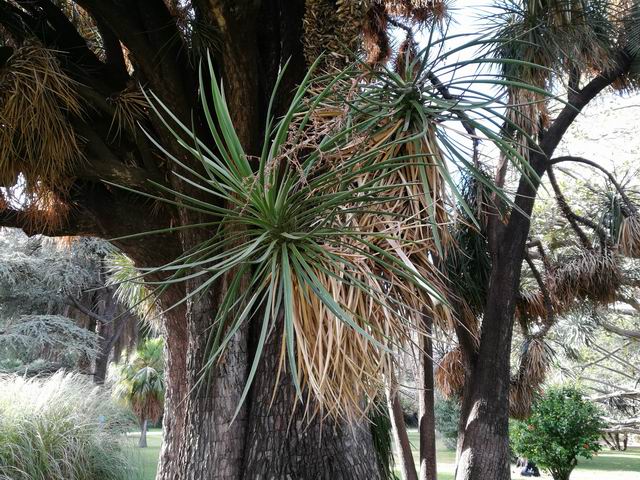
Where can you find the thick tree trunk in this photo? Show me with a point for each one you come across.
(426, 405)
(142, 443)
(212, 446)
(399, 429)
(173, 419)
(291, 440)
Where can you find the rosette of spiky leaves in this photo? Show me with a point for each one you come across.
(417, 113)
(295, 224)
(333, 223)
(468, 266)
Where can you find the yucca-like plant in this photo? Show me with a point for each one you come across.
(335, 221)
(131, 290)
(141, 384)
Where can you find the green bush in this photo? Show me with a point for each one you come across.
(62, 428)
(562, 427)
(447, 416)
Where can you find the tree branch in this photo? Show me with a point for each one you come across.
(75, 303)
(75, 224)
(623, 332)
(609, 175)
(573, 218)
(551, 136)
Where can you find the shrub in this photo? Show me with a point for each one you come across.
(62, 428)
(562, 427)
(447, 416)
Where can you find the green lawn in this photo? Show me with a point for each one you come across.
(618, 465)
(148, 457)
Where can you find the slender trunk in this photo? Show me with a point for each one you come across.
(483, 443)
(426, 404)
(403, 447)
(105, 330)
(142, 443)
(290, 440)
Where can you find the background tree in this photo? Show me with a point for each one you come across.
(562, 427)
(141, 384)
(56, 311)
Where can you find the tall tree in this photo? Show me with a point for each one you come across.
(71, 72)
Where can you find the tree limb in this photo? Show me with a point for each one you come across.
(623, 332)
(609, 175)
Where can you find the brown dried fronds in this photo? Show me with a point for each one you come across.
(531, 304)
(377, 44)
(418, 11)
(590, 275)
(337, 364)
(36, 100)
(450, 374)
(406, 54)
(629, 236)
(534, 364)
(129, 107)
(520, 401)
(595, 276)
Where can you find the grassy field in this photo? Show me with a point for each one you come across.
(617, 465)
(148, 457)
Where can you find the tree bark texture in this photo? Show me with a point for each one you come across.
(291, 440)
(107, 307)
(426, 404)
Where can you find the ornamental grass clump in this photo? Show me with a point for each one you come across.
(62, 428)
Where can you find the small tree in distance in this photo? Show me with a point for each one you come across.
(562, 427)
(141, 385)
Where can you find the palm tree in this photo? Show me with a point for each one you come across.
(141, 384)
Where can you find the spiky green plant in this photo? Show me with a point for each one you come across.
(131, 290)
(334, 222)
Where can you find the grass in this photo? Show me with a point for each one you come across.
(618, 465)
(148, 457)
(62, 427)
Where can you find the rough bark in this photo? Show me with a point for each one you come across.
(426, 405)
(173, 419)
(291, 440)
(399, 429)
